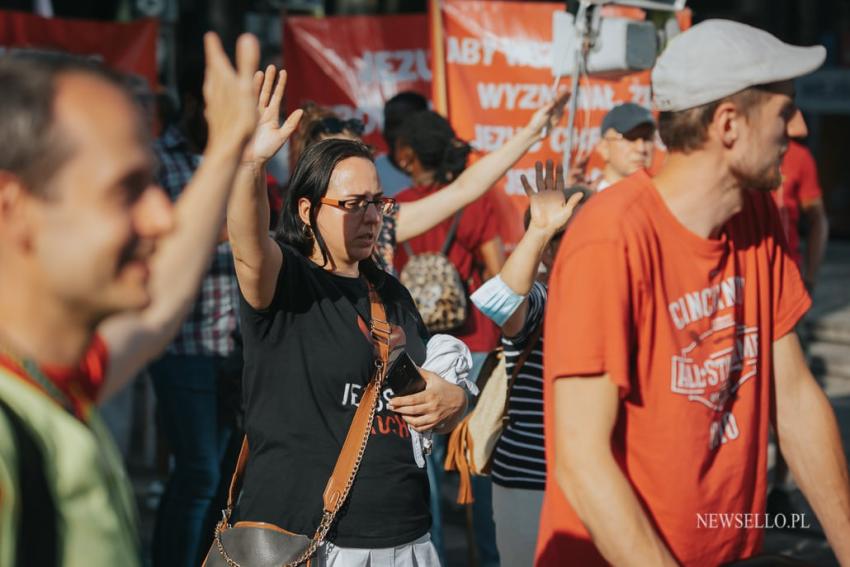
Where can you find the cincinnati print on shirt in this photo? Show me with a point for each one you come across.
(713, 367)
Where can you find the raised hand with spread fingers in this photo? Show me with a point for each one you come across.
(258, 259)
(271, 135)
(550, 210)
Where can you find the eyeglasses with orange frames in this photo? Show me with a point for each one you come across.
(360, 204)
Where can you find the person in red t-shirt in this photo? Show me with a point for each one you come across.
(429, 150)
(669, 343)
(800, 196)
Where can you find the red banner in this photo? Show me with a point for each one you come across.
(354, 64)
(130, 47)
(498, 57)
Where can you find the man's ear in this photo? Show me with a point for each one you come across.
(15, 209)
(726, 124)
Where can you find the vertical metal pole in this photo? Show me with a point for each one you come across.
(580, 55)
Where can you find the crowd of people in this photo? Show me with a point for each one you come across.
(647, 321)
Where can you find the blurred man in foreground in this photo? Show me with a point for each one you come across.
(98, 270)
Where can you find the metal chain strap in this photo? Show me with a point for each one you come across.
(327, 517)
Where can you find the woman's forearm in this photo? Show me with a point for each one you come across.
(256, 257)
(519, 273)
(520, 269)
(417, 217)
(248, 214)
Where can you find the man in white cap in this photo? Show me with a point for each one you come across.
(628, 138)
(670, 344)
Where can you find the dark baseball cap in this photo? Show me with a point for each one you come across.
(626, 116)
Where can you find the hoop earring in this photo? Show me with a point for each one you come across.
(308, 231)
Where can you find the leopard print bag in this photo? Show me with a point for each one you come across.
(436, 286)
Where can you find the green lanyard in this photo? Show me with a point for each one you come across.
(28, 370)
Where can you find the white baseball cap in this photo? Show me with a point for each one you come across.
(717, 58)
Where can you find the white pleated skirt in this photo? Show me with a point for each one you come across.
(418, 553)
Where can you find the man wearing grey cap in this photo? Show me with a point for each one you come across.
(670, 345)
(628, 138)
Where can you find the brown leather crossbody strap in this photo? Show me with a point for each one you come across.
(520, 362)
(349, 458)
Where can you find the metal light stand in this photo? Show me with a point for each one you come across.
(587, 26)
(587, 23)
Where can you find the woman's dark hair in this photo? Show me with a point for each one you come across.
(435, 144)
(310, 181)
(396, 110)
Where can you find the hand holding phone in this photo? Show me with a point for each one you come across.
(403, 376)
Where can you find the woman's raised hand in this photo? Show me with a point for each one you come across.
(550, 211)
(270, 135)
(548, 116)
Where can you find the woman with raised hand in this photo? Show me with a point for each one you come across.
(410, 219)
(308, 300)
(515, 300)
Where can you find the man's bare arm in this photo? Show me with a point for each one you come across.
(182, 258)
(811, 444)
(585, 413)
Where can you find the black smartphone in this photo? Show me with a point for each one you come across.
(403, 377)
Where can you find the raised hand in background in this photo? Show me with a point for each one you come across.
(550, 210)
(548, 116)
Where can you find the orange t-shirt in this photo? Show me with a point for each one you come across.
(684, 326)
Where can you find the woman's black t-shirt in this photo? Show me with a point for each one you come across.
(307, 362)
